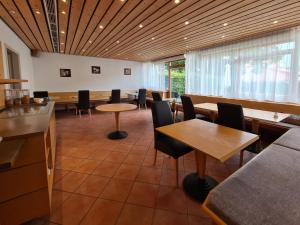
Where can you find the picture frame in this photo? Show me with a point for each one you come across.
(127, 71)
(96, 69)
(65, 73)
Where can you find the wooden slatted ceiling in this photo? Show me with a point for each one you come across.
(111, 28)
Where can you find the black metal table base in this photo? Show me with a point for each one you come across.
(197, 188)
(117, 135)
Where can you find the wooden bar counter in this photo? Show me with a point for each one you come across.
(26, 184)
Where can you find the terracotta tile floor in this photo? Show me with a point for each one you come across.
(106, 182)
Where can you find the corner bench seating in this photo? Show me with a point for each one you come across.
(266, 191)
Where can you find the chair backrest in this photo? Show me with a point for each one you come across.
(40, 94)
(84, 99)
(142, 96)
(174, 94)
(156, 96)
(231, 115)
(188, 107)
(115, 96)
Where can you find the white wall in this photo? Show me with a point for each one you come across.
(47, 67)
(10, 40)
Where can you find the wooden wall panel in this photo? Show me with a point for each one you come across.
(2, 99)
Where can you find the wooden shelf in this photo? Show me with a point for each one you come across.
(11, 81)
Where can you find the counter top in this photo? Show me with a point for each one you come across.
(25, 120)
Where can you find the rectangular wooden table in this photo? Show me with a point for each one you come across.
(207, 139)
(254, 114)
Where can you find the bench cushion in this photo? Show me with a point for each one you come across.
(291, 139)
(264, 191)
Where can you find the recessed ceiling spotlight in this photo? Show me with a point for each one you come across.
(106, 49)
(186, 22)
(141, 26)
(63, 12)
(177, 1)
(187, 46)
(83, 50)
(275, 22)
(118, 42)
(62, 43)
(90, 41)
(185, 38)
(101, 27)
(225, 24)
(64, 0)
(62, 32)
(153, 38)
(12, 12)
(37, 12)
(118, 54)
(223, 36)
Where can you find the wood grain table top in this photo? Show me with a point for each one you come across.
(217, 141)
(250, 113)
(118, 107)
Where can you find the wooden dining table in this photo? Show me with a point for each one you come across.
(207, 139)
(255, 115)
(117, 108)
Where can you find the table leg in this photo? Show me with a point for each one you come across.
(197, 185)
(255, 130)
(118, 134)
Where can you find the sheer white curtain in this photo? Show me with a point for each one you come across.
(153, 76)
(263, 69)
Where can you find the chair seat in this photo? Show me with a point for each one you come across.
(171, 146)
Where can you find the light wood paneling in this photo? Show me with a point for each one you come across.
(163, 32)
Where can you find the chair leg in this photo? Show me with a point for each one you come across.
(90, 113)
(177, 173)
(155, 156)
(146, 106)
(79, 113)
(241, 158)
(139, 106)
(76, 111)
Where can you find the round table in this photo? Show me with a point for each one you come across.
(117, 108)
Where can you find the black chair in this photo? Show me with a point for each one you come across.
(115, 96)
(174, 94)
(156, 96)
(141, 100)
(232, 115)
(40, 94)
(161, 115)
(189, 110)
(83, 102)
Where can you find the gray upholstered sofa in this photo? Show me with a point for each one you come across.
(266, 191)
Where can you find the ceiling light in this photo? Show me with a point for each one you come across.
(62, 43)
(37, 12)
(101, 27)
(177, 1)
(118, 54)
(185, 38)
(106, 49)
(225, 24)
(223, 36)
(64, 0)
(83, 50)
(186, 22)
(62, 32)
(63, 12)
(12, 12)
(118, 42)
(153, 38)
(141, 26)
(90, 42)
(275, 22)
(187, 46)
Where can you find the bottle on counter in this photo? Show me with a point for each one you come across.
(9, 101)
(26, 97)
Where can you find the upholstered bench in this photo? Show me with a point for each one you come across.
(266, 191)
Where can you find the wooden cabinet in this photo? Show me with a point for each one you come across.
(26, 187)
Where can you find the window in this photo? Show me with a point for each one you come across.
(262, 69)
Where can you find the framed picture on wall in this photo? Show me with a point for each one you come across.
(65, 73)
(96, 70)
(127, 71)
